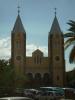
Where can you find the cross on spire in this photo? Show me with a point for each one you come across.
(55, 11)
(18, 9)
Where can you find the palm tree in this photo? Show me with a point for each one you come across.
(71, 40)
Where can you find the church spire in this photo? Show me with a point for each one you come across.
(55, 25)
(18, 26)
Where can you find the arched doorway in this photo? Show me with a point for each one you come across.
(46, 79)
(37, 79)
(29, 80)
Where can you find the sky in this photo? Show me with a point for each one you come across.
(37, 17)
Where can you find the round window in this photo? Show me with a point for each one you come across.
(18, 57)
(57, 58)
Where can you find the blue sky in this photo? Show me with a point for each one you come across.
(37, 17)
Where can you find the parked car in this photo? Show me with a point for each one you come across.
(16, 98)
(55, 92)
(29, 93)
(32, 93)
(69, 93)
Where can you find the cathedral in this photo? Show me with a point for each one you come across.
(40, 70)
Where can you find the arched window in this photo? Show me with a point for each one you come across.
(38, 79)
(29, 80)
(38, 76)
(58, 78)
(46, 79)
(35, 59)
(30, 76)
(17, 44)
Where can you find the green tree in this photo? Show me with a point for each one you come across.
(71, 78)
(71, 40)
(8, 81)
(20, 81)
(6, 74)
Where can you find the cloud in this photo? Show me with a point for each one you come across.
(31, 48)
(5, 48)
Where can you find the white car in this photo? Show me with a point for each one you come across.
(15, 98)
(53, 92)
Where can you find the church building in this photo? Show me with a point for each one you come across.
(40, 70)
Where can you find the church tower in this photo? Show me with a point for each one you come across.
(18, 48)
(56, 54)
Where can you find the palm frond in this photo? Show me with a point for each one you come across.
(72, 26)
(72, 55)
(71, 23)
(72, 29)
(69, 42)
(69, 34)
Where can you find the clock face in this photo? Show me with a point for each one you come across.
(18, 57)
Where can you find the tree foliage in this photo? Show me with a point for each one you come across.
(6, 74)
(71, 78)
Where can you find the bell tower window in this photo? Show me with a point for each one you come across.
(17, 44)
